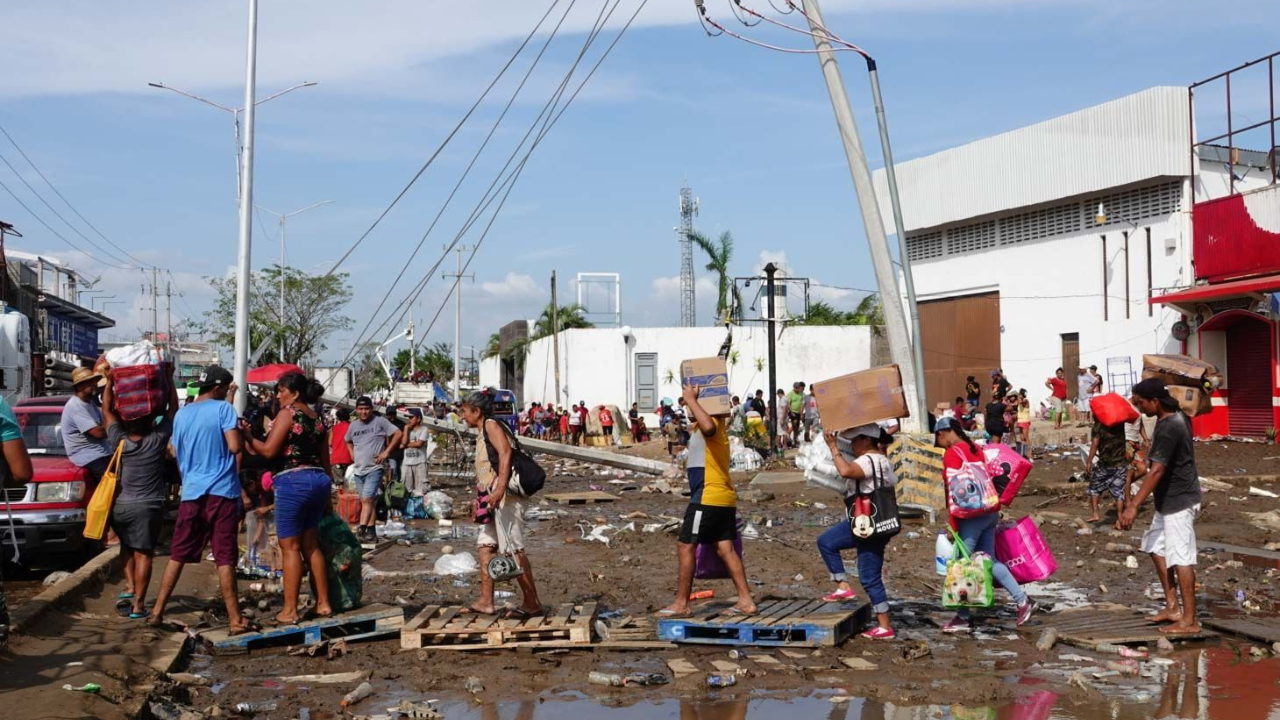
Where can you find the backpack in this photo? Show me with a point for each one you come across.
(397, 495)
(527, 477)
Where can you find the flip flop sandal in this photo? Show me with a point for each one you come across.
(138, 616)
(740, 613)
(248, 627)
(125, 596)
(522, 614)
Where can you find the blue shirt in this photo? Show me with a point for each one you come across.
(77, 417)
(207, 465)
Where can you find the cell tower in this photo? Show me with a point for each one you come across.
(688, 210)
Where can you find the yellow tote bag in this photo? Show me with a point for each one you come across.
(95, 523)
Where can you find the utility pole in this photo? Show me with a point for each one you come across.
(155, 312)
(555, 334)
(241, 364)
(772, 424)
(873, 224)
(457, 321)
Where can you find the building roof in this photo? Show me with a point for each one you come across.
(1218, 291)
(1129, 140)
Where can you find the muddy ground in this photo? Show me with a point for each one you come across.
(634, 575)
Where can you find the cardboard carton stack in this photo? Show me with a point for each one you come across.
(1190, 381)
(861, 398)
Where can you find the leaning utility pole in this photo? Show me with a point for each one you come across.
(155, 310)
(555, 334)
(241, 366)
(457, 321)
(873, 225)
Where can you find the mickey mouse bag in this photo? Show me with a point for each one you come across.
(874, 515)
(970, 492)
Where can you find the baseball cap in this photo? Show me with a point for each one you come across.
(213, 376)
(945, 423)
(871, 430)
(415, 412)
(364, 401)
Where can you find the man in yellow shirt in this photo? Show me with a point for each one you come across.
(712, 515)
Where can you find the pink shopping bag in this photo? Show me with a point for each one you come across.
(1007, 470)
(1022, 549)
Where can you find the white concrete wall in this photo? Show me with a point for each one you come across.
(597, 366)
(1055, 286)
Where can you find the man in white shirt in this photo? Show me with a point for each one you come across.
(417, 448)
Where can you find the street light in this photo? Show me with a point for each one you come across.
(235, 112)
(282, 218)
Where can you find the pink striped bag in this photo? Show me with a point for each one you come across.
(1022, 549)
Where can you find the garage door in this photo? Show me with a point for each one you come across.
(961, 338)
(1249, 378)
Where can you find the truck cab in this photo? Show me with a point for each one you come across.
(504, 409)
(48, 513)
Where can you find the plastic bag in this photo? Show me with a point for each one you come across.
(1112, 409)
(463, 563)
(438, 505)
(139, 353)
(342, 556)
(392, 529)
(943, 549)
(415, 508)
(968, 581)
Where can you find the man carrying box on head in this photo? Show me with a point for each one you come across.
(712, 515)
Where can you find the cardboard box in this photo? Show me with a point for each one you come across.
(861, 398)
(711, 375)
(1181, 370)
(1193, 400)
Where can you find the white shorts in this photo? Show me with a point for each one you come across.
(1082, 404)
(506, 532)
(1173, 537)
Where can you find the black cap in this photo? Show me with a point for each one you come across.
(1151, 389)
(364, 401)
(213, 376)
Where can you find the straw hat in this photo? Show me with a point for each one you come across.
(81, 375)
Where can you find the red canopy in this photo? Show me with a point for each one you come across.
(271, 373)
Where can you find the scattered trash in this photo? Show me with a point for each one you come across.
(750, 532)
(1262, 493)
(915, 649)
(1102, 588)
(1047, 640)
(1075, 658)
(190, 679)
(55, 577)
(721, 681)
(327, 679)
(169, 711)
(798, 578)
(423, 710)
(463, 563)
(93, 688)
(438, 505)
(247, 708)
(596, 533)
(1119, 548)
(1126, 667)
(473, 685)
(702, 595)
(913, 535)
(1257, 651)
(73, 663)
(1121, 650)
(819, 506)
(1163, 645)
(859, 664)
(737, 654)
(362, 691)
(1131, 562)
(1078, 681)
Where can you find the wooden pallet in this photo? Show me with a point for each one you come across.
(792, 622)
(1110, 623)
(1257, 629)
(359, 624)
(438, 626)
(1256, 557)
(581, 498)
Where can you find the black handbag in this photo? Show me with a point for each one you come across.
(527, 476)
(874, 515)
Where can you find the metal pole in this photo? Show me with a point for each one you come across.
(457, 331)
(873, 225)
(921, 408)
(283, 225)
(241, 365)
(155, 310)
(555, 335)
(769, 271)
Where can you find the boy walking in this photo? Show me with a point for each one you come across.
(1175, 484)
(1107, 476)
(711, 517)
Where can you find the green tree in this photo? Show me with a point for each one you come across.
(313, 306)
(493, 346)
(868, 312)
(719, 254)
(436, 360)
(368, 371)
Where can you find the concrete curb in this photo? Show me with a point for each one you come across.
(89, 577)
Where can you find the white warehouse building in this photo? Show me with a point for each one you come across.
(624, 365)
(1015, 269)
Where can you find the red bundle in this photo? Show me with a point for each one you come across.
(140, 390)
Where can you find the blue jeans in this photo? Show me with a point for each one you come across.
(302, 498)
(370, 483)
(870, 561)
(979, 535)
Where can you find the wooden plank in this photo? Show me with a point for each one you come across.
(783, 613)
(1252, 629)
(422, 617)
(308, 632)
(681, 667)
(562, 615)
(446, 615)
(581, 498)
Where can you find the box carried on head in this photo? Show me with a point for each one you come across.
(1191, 381)
(711, 377)
(861, 398)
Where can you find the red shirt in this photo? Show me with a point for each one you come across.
(338, 452)
(606, 417)
(1059, 387)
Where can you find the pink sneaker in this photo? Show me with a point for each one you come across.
(879, 633)
(839, 596)
(957, 625)
(1025, 610)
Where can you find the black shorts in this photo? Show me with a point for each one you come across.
(708, 524)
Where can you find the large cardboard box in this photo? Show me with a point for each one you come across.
(711, 375)
(1181, 370)
(1193, 400)
(861, 398)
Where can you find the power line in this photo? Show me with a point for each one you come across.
(65, 200)
(491, 193)
(59, 235)
(444, 143)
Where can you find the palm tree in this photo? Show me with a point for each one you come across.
(568, 317)
(493, 346)
(868, 312)
(719, 254)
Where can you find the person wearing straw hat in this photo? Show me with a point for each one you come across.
(83, 435)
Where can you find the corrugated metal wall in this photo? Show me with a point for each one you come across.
(1129, 140)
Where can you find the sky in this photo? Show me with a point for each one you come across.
(751, 130)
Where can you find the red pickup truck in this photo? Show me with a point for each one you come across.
(49, 512)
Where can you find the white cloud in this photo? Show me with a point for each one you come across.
(515, 286)
(777, 257)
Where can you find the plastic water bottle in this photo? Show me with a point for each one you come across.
(599, 678)
(942, 550)
(721, 681)
(246, 708)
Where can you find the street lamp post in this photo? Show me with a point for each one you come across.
(282, 218)
(235, 113)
